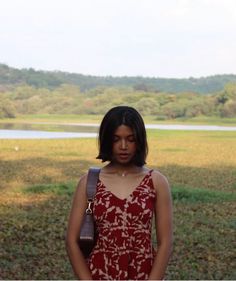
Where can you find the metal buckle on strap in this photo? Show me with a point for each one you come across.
(89, 211)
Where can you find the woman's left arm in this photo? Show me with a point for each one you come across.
(164, 227)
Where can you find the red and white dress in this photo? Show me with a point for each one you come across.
(124, 248)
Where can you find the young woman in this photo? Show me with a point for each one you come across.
(127, 195)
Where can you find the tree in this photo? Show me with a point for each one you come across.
(148, 106)
(7, 109)
(229, 109)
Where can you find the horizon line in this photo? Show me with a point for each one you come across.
(116, 76)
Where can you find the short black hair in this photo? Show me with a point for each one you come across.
(115, 117)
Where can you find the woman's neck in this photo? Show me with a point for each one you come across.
(123, 170)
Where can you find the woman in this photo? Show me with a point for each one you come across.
(128, 194)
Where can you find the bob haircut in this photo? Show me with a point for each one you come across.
(115, 117)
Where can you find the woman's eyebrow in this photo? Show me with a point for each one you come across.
(131, 135)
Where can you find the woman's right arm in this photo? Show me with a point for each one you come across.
(76, 257)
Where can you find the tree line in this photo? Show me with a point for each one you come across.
(10, 76)
(69, 99)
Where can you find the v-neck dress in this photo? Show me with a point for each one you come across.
(123, 250)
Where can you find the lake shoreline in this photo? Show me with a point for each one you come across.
(171, 126)
(87, 130)
(96, 119)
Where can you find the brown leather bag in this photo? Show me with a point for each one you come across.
(87, 238)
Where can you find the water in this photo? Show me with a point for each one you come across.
(30, 134)
(55, 127)
(46, 131)
(69, 130)
(190, 127)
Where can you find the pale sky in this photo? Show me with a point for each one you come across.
(151, 38)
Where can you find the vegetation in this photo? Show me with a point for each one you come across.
(38, 178)
(67, 100)
(54, 79)
(28, 91)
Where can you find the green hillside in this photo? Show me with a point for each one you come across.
(53, 79)
(32, 92)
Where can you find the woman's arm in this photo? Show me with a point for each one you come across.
(164, 228)
(76, 257)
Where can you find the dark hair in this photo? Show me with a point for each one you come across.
(122, 115)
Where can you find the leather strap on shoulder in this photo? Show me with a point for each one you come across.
(92, 179)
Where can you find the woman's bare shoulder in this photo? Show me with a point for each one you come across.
(83, 179)
(81, 185)
(159, 180)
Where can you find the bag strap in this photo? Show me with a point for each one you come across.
(92, 179)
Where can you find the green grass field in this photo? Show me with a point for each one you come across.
(38, 178)
(200, 120)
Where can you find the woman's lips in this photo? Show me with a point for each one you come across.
(123, 155)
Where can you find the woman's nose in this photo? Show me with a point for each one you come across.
(123, 144)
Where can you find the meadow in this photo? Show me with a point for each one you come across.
(38, 178)
(89, 118)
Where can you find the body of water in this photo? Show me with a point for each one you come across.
(30, 134)
(190, 127)
(56, 131)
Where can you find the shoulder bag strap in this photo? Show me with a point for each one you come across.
(93, 175)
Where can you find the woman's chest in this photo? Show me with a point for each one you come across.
(136, 209)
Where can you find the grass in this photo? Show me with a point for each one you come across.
(38, 180)
(179, 194)
(75, 118)
(54, 189)
(198, 195)
(55, 118)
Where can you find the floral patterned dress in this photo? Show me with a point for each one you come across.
(124, 248)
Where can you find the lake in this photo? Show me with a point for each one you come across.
(30, 134)
(71, 130)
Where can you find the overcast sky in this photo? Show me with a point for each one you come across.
(157, 38)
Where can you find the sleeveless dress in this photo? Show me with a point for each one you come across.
(123, 250)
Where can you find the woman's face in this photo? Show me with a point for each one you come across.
(124, 145)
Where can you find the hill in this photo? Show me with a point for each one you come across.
(10, 76)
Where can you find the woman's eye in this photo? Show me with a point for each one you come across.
(131, 139)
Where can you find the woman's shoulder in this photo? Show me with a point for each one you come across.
(83, 179)
(81, 185)
(160, 181)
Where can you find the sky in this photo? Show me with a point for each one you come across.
(150, 38)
